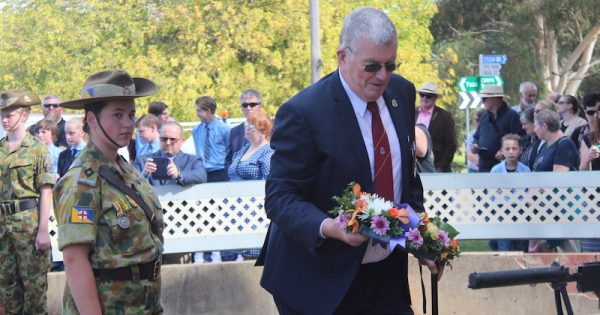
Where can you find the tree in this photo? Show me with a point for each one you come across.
(190, 47)
(547, 41)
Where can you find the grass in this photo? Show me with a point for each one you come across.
(474, 246)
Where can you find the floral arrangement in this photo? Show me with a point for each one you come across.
(395, 225)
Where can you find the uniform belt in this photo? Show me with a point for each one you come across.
(146, 271)
(12, 207)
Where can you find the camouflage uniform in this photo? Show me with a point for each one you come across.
(23, 269)
(90, 210)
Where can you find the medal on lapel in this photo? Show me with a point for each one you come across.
(124, 222)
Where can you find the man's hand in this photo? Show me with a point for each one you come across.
(332, 230)
(433, 268)
(149, 167)
(172, 170)
(474, 148)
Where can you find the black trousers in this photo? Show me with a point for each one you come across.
(377, 289)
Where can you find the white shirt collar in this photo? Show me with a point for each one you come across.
(358, 104)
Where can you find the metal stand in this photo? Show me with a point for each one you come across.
(560, 288)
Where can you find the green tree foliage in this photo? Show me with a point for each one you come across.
(534, 34)
(191, 48)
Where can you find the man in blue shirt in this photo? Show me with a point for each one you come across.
(211, 139)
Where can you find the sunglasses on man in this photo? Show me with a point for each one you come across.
(51, 105)
(427, 96)
(591, 112)
(375, 67)
(245, 105)
(172, 140)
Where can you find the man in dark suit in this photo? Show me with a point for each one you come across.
(440, 125)
(183, 169)
(250, 101)
(323, 140)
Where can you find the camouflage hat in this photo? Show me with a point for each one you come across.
(17, 98)
(111, 85)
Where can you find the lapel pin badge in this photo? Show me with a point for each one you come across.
(394, 103)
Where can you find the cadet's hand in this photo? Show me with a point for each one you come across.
(42, 241)
(594, 153)
(474, 148)
(433, 268)
(149, 167)
(333, 230)
(172, 170)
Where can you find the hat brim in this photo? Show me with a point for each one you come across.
(428, 91)
(143, 87)
(491, 96)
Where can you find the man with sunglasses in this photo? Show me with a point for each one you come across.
(182, 168)
(354, 125)
(440, 125)
(53, 111)
(250, 101)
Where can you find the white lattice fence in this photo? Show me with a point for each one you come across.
(481, 206)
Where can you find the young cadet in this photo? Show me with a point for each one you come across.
(25, 203)
(110, 219)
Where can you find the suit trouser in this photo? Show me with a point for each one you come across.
(23, 269)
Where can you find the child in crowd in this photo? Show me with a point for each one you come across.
(76, 140)
(511, 150)
(45, 131)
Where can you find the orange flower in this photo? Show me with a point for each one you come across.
(424, 218)
(454, 244)
(356, 189)
(360, 205)
(401, 215)
(353, 222)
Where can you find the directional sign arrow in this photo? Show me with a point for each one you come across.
(469, 100)
(490, 59)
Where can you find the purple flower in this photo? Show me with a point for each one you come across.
(380, 225)
(444, 238)
(341, 220)
(414, 236)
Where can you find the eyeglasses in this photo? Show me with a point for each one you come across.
(249, 127)
(562, 102)
(591, 112)
(166, 139)
(51, 105)
(427, 96)
(254, 104)
(375, 67)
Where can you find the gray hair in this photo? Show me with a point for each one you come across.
(172, 123)
(251, 93)
(368, 23)
(51, 97)
(527, 85)
(550, 118)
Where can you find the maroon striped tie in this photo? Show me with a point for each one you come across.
(383, 181)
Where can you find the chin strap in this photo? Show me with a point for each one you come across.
(103, 131)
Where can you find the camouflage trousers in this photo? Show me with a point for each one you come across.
(122, 297)
(23, 269)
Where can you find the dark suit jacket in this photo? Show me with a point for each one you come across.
(191, 169)
(319, 149)
(64, 162)
(237, 138)
(443, 135)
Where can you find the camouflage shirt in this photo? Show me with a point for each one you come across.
(90, 210)
(25, 170)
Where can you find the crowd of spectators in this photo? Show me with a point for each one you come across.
(553, 137)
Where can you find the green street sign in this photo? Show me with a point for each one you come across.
(491, 80)
(468, 84)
